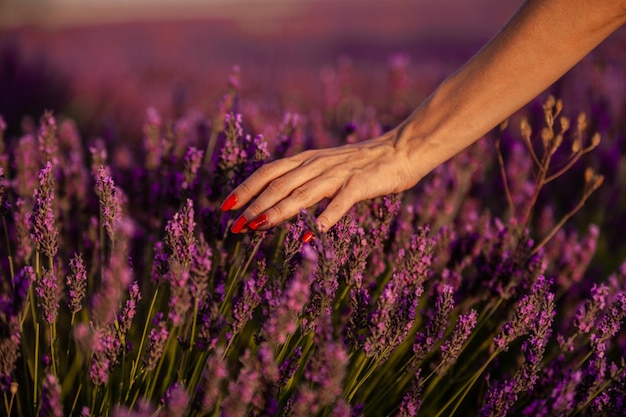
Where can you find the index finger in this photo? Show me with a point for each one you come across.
(257, 182)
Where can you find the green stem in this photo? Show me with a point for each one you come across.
(133, 372)
(468, 386)
(10, 256)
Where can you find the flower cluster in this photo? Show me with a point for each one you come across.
(436, 301)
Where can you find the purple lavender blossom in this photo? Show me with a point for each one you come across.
(214, 373)
(283, 320)
(128, 313)
(436, 327)
(451, 348)
(44, 232)
(47, 139)
(152, 139)
(156, 343)
(528, 310)
(289, 366)
(412, 400)
(176, 401)
(50, 397)
(110, 204)
(11, 306)
(179, 238)
(76, 283)
(27, 165)
(327, 367)
(21, 218)
(241, 391)
(117, 276)
(193, 161)
(180, 301)
(249, 299)
(200, 269)
(143, 409)
(48, 295)
(106, 348)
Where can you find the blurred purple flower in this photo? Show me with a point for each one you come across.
(108, 197)
(193, 162)
(156, 343)
(48, 295)
(47, 139)
(412, 400)
(50, 404)
(130, 308)
(179, 236)
(176, 401)
(76, 283)
(214, 374)
(26, 166)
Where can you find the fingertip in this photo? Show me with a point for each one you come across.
(308, 236)
(229, 203)
(239, 225)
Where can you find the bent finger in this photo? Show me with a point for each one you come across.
(256, 183)
(338, 206)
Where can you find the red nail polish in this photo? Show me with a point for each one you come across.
(258, 221)
(229, 202)
(307, 237)
(239, 224)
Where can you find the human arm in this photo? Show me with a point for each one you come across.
(543, 40)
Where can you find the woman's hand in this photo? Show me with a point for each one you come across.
(346, 175)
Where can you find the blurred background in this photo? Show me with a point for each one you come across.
(104, 62)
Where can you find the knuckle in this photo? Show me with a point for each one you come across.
(276, 186)
(244, 189)
(277, 213)
(253, 210)
(300, 193)
(265, 171)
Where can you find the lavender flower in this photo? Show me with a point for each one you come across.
(130, 307)
(179, 238)
(193, 161)
(611, 322)
(156, 343)
(451, 348)
(76, 283)
(200, 269)
(26, 164)
(108, 196)
(412, 401)
(214, 374)
(327, 367)
(106, 348)
(528, 309)
(176, 401)
(117, 276)
(44, 232)
(437, 325)
(289, 366)
(152, 139)
(241, 391)
(250, 298)
(48, 295)
(50, 397)
(47, 139)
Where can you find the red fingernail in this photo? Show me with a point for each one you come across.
(258, 221)
(239, 224)
(307, 237)
(229, 202)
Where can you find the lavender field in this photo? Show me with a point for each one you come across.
(497, 286)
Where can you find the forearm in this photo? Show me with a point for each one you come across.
(540, 43)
